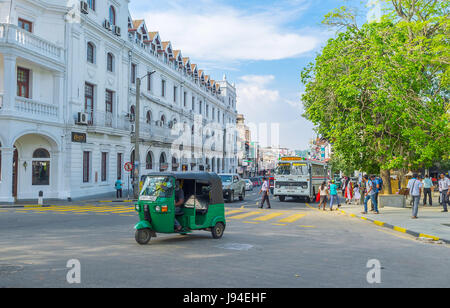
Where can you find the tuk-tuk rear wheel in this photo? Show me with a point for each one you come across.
(217, 230)
(143, 236)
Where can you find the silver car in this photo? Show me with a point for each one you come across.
(248, 185)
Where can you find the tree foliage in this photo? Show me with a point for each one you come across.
(380, 92)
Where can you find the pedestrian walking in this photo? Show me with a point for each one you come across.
(415, 190)
(444, 183)
(324, 193)
(427, 189)
(334, 197)
(349, 192)
(265, 191)
(370, 194)
(118, 186)
(356, 194)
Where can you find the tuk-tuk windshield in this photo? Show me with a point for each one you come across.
(161, 187)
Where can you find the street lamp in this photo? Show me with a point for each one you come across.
(137, 158)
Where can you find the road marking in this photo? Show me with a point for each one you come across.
(268, 217)
(250, 222)
(245, 215)
(279, 224)
(292, 218)
(233, 212)
(307, 226)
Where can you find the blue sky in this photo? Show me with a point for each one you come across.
(261, 45)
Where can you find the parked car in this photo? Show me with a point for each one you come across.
(248, 184)
(232, 186)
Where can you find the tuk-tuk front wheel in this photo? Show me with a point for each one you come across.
(143, 236)
(217, 230)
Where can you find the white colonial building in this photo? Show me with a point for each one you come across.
(68, 73)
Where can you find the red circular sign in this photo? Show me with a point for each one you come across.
(128, 167)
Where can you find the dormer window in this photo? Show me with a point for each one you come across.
(91, 4)
(112, 15)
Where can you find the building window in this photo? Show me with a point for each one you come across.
(119, 166)
(163, 121)
(133, 73)
(90, 53)
(25, 25)
(200, 108)
(149, 161)
(91, 4)
(149, 82)
(89, 102)
(163, 88)
(185, 99)
(109, 96)
(175, 94)
(110, 62)
(41, 168)
(149, 117)
(86, 166)
(104, 166)
(23, 82)
(112, 15)
(193, 103)
(132, 114)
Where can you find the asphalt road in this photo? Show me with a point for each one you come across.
(292, 245)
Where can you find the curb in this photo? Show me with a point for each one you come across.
(22, 206)
(396, 228)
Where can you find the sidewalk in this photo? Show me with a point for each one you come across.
(432, 223)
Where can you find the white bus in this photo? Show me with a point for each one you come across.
(299, 178)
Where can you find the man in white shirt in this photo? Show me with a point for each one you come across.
(415, 189)
(444, 183)
(265, 191)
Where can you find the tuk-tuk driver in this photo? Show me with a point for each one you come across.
(179, 202)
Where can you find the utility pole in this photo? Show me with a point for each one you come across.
(137, 158)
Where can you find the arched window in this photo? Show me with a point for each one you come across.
(110, 62)
(149, 161)
(149, 117)
(91, 52)
(41, 168)
(162, 162)
(174, 164)
(41, 153)
(132, 113)
(112, 15)
(163, 120)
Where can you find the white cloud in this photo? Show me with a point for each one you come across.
(210, 31)
(262, 104)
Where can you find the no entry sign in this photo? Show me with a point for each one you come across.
(128, 167)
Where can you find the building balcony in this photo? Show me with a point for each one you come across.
(11, 35)
(31, 109)
(107, 123)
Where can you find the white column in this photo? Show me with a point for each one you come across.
(6, 177)
(10, 82)
(58, 94)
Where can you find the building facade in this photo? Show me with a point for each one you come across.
(68, 74)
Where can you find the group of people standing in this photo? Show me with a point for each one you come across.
(418, 185)
(371, 186)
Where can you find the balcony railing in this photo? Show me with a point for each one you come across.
(106, 120)
(35, 109)
(11, 34)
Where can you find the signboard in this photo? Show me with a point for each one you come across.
(128, 167)
(291, 158)
(79, 137)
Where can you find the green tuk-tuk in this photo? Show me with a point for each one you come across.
(203, 207)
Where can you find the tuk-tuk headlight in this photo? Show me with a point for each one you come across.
(158, 208)
(136, 206)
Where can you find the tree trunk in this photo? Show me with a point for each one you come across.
(386, 177)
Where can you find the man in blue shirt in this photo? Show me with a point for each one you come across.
(334, 195)
(118, 186)
(371, 192)
(427, 185)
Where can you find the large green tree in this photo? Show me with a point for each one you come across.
(380, 92)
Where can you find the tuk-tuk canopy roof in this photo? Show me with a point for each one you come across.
(203, 177)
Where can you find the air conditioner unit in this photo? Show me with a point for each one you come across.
(117, 30)
(107, 24)
(84, 7)
(82, 118)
